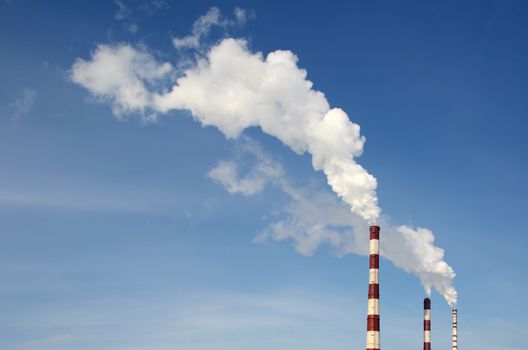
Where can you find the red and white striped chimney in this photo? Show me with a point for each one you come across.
(427, 324)
(455, 334)
(373, 318)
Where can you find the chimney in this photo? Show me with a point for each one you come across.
(427, 324)
(373, 319)
(455, 334)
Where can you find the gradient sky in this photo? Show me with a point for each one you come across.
(113, 237)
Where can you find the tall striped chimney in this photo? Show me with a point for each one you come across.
(427, 324)
(373, 319)
(455, 334)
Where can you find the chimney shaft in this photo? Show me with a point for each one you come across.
(373, 319)
(427, 324)
(455, 333)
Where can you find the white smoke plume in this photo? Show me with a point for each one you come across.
(232, 88)
(313, 217)
(121, 74)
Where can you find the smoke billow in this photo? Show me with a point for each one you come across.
(231, 88)
(314, 217)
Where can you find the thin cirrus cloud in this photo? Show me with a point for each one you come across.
(128, 15)
(204, 24)
(83, 195)
(122, 11)
(212, 321)
(24, 103)
(218, 320)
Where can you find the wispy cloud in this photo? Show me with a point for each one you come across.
(133, 28)
(24, 103)
(122, 11)
(151, 7)
(130, 16)
(124, 14)
(83, 195)
(264, 170)
(50, 341)
(211, 320)
(205, 23)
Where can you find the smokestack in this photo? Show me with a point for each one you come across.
(427, 324)
(455, 334)
(373, 318)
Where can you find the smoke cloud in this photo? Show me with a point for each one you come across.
(234, 89)
(314, 217)
(231, 88)
(264, 171)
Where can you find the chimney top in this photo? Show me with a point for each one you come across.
(427, 304)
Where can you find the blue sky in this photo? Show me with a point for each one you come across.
(114, 236)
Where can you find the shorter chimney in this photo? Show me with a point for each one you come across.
(427, 324)
(455, 334)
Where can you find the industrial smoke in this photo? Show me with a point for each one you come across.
(232, 88)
